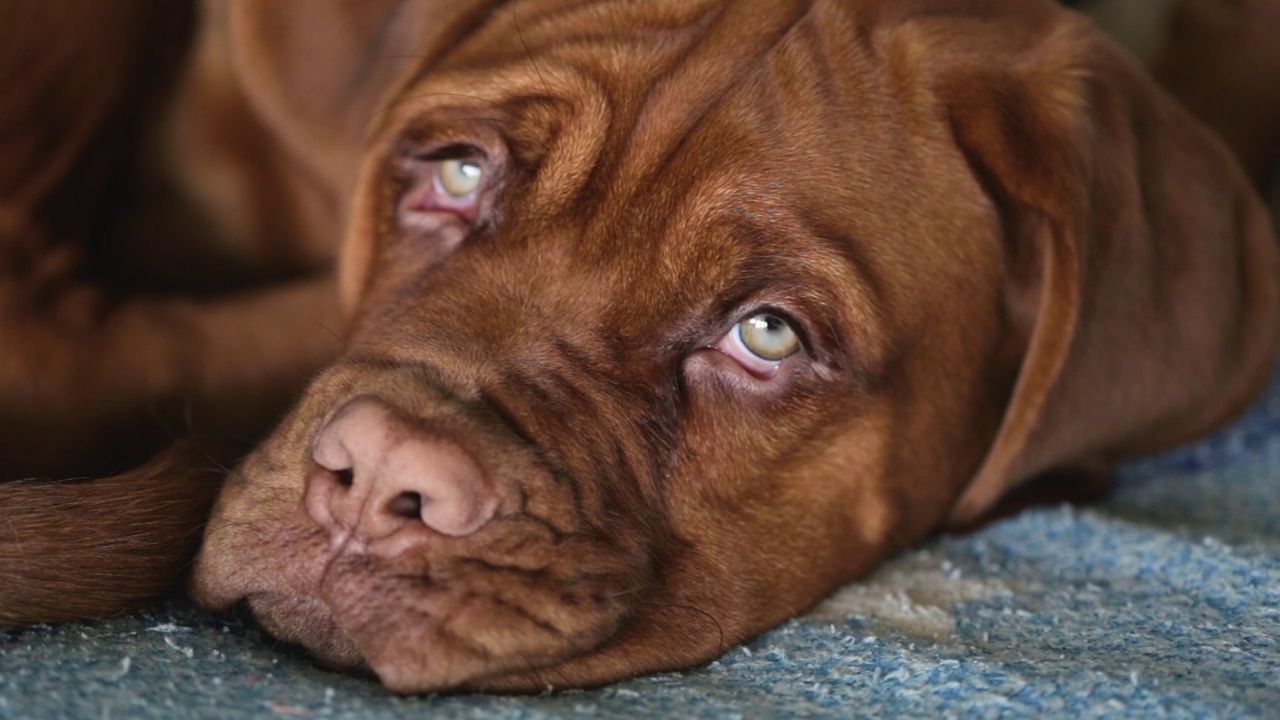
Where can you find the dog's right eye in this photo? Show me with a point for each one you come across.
(440, 188)
(459, 178)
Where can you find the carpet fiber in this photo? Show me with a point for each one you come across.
(1163, 601)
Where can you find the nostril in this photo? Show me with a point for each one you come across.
(380, 471)
(407, 505)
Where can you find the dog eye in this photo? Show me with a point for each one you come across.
(768, 337)
(760, 343)
(440, 189)
(458, 178)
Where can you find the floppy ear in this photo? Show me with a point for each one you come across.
(318, 72)
(1141, 269)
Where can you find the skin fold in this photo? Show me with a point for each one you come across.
(544, 454)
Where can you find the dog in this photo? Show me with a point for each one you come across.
(659, 321)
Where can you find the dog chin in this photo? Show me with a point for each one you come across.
(418, 636)
(307, 621)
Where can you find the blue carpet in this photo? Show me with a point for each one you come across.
(1163, 601)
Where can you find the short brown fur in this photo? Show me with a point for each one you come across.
(1007, 251)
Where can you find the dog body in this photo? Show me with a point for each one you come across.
(662, 320)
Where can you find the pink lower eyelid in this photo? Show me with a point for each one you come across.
(430, 197)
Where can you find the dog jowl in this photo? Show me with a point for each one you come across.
(667, 319)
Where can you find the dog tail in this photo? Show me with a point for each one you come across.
(86, 550)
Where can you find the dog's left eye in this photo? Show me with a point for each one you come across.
(761, 343)
(458, 178)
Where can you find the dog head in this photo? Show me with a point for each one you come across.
(669, 318)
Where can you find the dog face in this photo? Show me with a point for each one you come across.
(661, 332)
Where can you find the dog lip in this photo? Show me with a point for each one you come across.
(307, 621)
(380, 605)
(398, 543)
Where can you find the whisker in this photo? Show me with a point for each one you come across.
(620, 593)
(516, 21)
(719, 628)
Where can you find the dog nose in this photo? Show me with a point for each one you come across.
(381, 471)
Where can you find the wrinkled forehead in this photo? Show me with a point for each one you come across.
(708, 142)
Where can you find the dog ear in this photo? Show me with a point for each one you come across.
(1141, 268)
(317, 71)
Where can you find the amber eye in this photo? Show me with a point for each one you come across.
(768, 337)
(459, 178)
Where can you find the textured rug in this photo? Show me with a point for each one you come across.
(1163, 601)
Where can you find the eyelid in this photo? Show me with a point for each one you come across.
(453, 151)
(423, 207)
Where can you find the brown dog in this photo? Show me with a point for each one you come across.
(665, 319)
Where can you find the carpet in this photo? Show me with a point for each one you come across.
(1162, 601)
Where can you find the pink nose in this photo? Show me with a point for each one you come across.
(381, 472)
